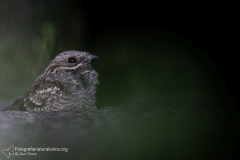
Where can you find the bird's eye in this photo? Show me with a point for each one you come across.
(72, 60)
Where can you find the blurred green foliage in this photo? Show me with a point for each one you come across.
(21, 63)
(45, 45)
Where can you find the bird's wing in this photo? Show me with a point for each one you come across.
(42, 95)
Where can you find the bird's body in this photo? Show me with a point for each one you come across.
(67, 84)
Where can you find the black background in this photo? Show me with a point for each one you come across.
(210, 27)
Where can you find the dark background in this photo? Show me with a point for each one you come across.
(126, 35)
(174, 66)
(208, 26)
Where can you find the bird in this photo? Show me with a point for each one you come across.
(68, 83)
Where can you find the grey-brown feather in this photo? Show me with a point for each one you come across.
(63, 86)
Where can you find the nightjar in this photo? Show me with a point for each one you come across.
(67, 84)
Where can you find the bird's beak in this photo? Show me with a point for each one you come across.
(93, 57)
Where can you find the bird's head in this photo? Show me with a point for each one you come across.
(71, 61)
(73, 68)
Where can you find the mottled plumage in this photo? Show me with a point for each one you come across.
(67, 84)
